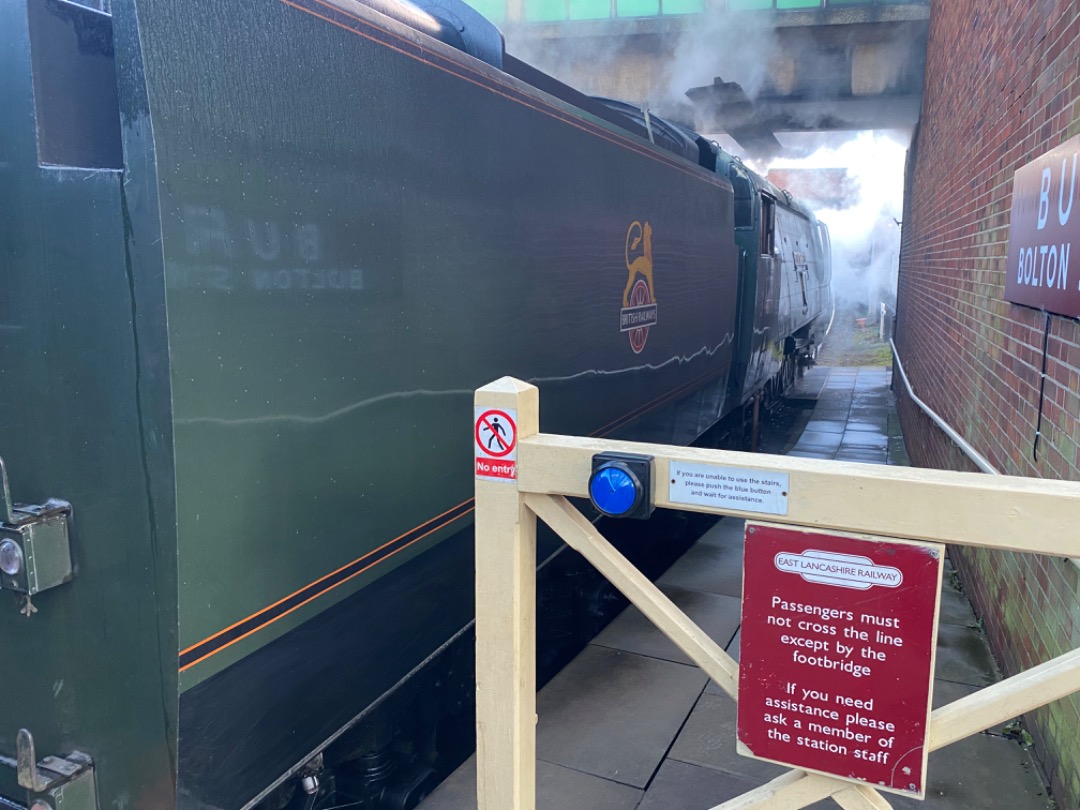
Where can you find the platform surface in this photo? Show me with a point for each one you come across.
(631, 725)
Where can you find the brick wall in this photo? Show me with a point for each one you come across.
(1002, 88)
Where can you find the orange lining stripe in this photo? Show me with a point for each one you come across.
(327, 576)
(316, 596)
(660, 400)
(545, 109)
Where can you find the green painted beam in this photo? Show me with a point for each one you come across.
(542, 11)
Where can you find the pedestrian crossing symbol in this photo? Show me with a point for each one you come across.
(495, 433)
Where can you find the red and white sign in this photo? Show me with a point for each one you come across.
(837, 653)
(495, 433)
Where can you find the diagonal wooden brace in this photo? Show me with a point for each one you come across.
(582, 536)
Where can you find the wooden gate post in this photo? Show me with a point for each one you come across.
(506, 411)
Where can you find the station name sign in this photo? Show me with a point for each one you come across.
(1044, 237)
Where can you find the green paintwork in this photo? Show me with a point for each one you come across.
(93, 669)
(248, 359)
(334, 299)
(559, 10)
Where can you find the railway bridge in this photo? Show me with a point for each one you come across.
(749, 68)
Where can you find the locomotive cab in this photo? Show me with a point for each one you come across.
(783, 280)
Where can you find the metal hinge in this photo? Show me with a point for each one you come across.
(54, 783)
(35, 545)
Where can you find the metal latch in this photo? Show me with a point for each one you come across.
(54, 783)
(35, 546)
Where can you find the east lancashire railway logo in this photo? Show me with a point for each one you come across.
(638, 311)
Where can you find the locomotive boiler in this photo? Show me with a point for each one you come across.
(257, 256)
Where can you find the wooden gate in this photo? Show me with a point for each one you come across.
(537, 473)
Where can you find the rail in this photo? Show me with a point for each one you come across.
(537, 473)
(965, 447)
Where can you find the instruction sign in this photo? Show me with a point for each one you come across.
(495, 432)
(837, 653)
(740, 488)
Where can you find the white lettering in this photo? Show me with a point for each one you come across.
(1063, 213)
(307, 242)
(1044, 199)
(205, 231)
(265, 239)
(1051, 266)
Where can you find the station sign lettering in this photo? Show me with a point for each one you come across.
(1044, 236)
(837, 653)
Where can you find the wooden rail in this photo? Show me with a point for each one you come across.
(1001, 512)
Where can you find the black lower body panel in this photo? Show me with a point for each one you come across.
(244, 727)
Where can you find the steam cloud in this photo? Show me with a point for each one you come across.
(865, 234)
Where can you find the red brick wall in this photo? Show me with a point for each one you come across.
(1002, 88)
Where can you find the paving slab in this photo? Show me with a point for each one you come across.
(557, 788)
(834, 398)
(898, 453)
(716, 614)
(819, 441)
(862, 455)
(709, 568)
(690, 787)
(864, 440)
(826, 425)
(809, 386)
(875, 425)
(963, 657)
(680, 786)
(734, 647)
(832, 413)
(981, 772)
(728, 532)
(956, 609)
(615, 714)
(708, 739)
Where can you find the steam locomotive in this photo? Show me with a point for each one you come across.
(257, 256)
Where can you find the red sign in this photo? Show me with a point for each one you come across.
(495, 433)
(837, 653)
(1043, 269)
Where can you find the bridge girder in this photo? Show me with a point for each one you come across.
(856, 67)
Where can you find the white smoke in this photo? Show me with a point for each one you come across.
(865, 234)
(707, 50)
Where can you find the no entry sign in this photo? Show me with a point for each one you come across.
(837, 653)
(495, 434)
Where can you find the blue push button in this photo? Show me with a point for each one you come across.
(614, 490)
(621, 485)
